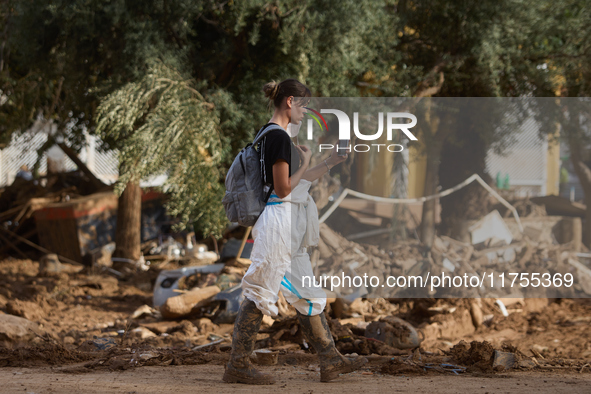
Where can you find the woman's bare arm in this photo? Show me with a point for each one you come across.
(283, 183)
(318, 170)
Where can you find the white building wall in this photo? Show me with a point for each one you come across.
(524, 161)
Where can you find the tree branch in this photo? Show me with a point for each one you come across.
(97, 183)
(424, 90)
(581, 169)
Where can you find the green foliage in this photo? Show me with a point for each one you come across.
(162, 124)
(560, 45)
(64, 54)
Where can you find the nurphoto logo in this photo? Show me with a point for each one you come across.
(345, 129)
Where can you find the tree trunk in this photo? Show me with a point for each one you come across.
(461, 157)
(129, 214)
(431, 183)
(584, 174)
(434, 134)
(587, 226)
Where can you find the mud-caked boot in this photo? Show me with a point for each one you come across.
(239, 369)
(332, 362)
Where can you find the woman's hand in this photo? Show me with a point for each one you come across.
(305, 154)
(334, 158)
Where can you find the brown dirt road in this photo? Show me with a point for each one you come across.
(199, 378)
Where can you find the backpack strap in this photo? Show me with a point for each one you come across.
(264, 130)
(268, 194)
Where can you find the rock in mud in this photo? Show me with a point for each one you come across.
(50, 265)
(503, 360)
(17, 329)
(142, 333)
(28, 310)
(394, 332)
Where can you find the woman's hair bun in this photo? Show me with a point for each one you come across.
(276, 92)
(271, 89)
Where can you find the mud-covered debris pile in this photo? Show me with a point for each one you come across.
(558, 271)
(474, 357)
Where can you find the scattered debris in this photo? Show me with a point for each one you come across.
(143, 311)
(339, 256)
(184, 304)
(264, 357)
(50, 265)
(169, 280)
(226, 304)
(505, 360)
(490, 229)
(108, 321)
(393, 332)
(142, 333)
(97, 344)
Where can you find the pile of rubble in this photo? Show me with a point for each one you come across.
(19, 202)
(496, 251)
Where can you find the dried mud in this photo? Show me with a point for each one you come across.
(75, 309)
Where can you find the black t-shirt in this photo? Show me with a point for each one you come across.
(277, 145)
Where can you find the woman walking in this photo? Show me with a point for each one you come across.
(287, 226)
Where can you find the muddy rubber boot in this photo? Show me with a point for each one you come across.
(239, 369)
(332, 362)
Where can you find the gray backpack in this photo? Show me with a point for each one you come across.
(245, 198)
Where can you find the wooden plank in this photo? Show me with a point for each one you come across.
(367, 219)
(60, 236)
(386, 210)
(10, 244)
(16, 242)
(62, 258)
(560, 206)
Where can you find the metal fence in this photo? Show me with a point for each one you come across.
(22, 150)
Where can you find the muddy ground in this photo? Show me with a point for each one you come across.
(206, 378)
(88, 342)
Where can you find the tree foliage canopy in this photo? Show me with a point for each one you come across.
(164, 126)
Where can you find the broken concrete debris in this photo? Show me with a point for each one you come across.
(490, 256)
(490, 229)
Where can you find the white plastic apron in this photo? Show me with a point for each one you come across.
(279, 258)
